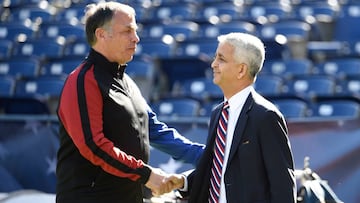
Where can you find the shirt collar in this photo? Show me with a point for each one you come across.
(238, 100)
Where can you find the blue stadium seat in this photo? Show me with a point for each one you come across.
(288, 68)
(207, 107)
(212, 31)
(155, 48)
(202, 48)
(7, 85)
(33, 13)
(5, 48)
(336, 109)
(41, 88)
(74, 13)
(60, 67)
(200, 88)
(268, 11)
(324, 50)
(219, 12)
(17, 30)
(54, 30)
(340, 68)
(20, 67)
(180, 31)
(269, 85)
(171, 12)
(177, 107)
(350, 87)
(297, 30)
(321, 15)
(78, 48)
(349, 18)
(292, 108)
(176, 70)
(41, 48)
(311, 86)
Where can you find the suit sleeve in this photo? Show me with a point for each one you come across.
(278, 158)
(80, 111)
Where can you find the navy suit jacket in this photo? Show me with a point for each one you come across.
(260, 166)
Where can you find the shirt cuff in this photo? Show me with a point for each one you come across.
(185, 187)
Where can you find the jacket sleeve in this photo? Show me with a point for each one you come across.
(80, 111)
(277, 154)
(170, 141)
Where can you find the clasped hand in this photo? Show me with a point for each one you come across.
(160, 182)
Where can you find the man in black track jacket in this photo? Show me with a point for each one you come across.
(106, 124)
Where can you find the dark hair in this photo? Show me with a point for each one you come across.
(96, 16)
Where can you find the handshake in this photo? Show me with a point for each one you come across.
(160, 182)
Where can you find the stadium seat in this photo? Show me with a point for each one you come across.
(202, 48)
(269, 85)
(212, 31)
(336, 109)
(321, 15)
(319, 51)
(294, 34)
(41, 87)
(311, 86)
(78, 48)
(74, 13)
(219, 12)
(288, 68)
(41, 48)
(155, 48)
(207, 107)
(267, 12)
(292, 108)
(7, 85)
(33, 13)
(17, 31)
(177, 107)
(350, 87)
(180, 31)
(340, 68)
(349, 18)
(176, 70)
(200, 88)
(5, 48)
(20, 67)
(171, 12)
(54, 30)
(60, 67)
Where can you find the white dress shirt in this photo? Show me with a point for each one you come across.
(236, 104)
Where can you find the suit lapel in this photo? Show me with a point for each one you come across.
(240, 125)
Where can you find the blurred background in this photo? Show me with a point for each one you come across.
(312, 73)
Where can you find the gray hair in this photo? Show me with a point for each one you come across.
(247, 48)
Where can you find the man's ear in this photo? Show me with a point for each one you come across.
(242, 70)
(100, 33)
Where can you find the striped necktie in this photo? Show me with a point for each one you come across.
(218, 159)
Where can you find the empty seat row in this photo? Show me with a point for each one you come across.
(291, 108)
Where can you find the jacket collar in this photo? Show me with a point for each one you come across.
(114, 68)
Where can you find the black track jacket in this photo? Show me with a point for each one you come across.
(104, 141)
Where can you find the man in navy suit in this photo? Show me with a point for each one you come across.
(258, 164)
